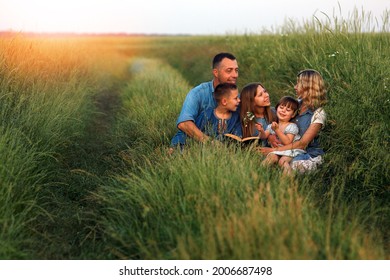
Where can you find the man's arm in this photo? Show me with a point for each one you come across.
(189, 128)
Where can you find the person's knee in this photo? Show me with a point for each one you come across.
(272, 158)
(284, 162)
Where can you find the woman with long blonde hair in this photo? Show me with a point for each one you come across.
(311, 93)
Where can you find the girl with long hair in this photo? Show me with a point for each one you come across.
(255, 108)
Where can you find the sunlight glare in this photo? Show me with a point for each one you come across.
(65, 16)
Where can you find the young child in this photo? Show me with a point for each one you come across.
(224, 118)
(285, 130)
(255, 101)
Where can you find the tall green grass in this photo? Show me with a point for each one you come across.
(150, 101)
(218, 203)
(41, 104)
(48, 87)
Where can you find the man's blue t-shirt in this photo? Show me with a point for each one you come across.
(198, 100)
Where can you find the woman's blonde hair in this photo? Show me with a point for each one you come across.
(313, 88)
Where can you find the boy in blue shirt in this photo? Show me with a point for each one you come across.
(224, 118)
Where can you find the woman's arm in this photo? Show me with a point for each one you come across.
(309, 135)
(284, 138)
(273, 140)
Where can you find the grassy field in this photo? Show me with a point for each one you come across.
(86, 123)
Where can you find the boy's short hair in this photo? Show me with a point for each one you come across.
(289, 102)
(223, 90)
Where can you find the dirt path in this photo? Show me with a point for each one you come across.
(73, 232)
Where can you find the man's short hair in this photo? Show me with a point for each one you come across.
(219, 57)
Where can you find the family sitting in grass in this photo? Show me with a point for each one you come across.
(289, 133)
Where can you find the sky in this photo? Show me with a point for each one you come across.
(195, 17)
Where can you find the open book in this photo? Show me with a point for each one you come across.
(243, 141)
